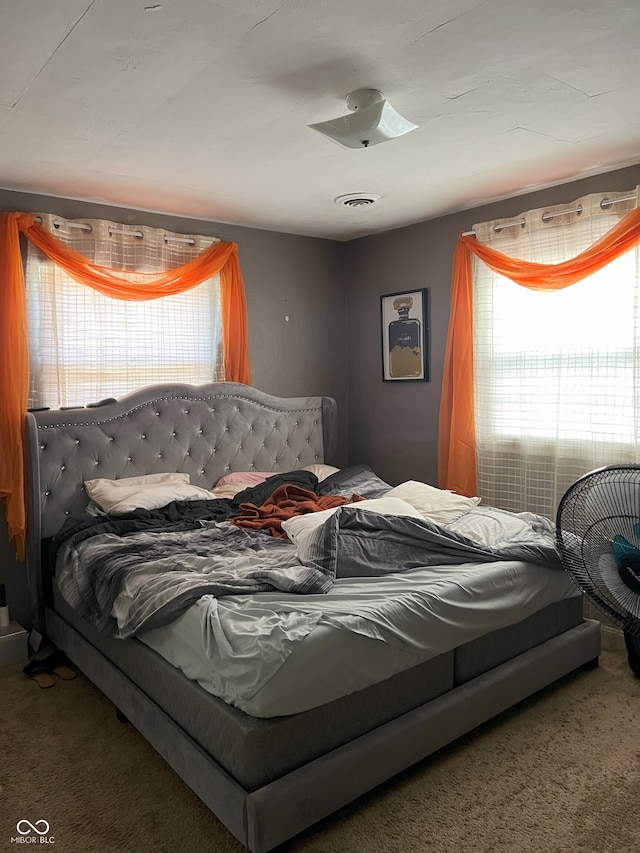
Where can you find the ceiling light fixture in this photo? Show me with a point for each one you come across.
(372, 120)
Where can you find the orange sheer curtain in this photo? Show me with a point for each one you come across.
(14, 357)
(456, 438)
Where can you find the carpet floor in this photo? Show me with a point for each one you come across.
(560, 773)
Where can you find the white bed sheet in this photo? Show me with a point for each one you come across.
(273, 654)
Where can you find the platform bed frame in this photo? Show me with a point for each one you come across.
(207, 431)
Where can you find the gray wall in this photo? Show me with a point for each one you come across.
(393, 426)
(285, 275)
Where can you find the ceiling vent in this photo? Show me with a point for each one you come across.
(357, 199)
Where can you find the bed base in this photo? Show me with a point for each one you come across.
(267, 817)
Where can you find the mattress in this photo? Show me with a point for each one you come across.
(255, 751)
(279, 625)
(368, 630)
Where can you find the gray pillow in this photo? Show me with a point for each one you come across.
(358, 479)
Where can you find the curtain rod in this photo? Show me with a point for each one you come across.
(138, 234)
(606, 202)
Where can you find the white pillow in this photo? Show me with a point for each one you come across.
(150, 491)
(321, 470)
(439, 506)
(229, 490)
(247, 478)
(300, 528)
(494, 527)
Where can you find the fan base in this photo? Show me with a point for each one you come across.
(633, 652)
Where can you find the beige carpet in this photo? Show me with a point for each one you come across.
(559, 773)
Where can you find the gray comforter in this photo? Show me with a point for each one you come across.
(124, 584)
(357, 543)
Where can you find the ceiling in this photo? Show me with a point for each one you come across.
(200, 108)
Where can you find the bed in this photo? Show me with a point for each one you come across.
(316, 732)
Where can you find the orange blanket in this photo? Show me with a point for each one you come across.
(285, 502)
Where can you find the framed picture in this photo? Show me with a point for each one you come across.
(405, 335)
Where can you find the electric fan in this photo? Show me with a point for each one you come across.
(598, 537)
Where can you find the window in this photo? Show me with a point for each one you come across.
(557, 373)
(85, 346)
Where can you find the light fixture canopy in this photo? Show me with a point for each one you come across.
(372, 120)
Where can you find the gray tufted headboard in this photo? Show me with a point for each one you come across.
(205, 431)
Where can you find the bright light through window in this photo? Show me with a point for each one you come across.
(85, 346)
(556, 373)
(564, 362)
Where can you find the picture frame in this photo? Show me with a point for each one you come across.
(404, 327)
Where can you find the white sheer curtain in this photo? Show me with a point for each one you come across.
(557, 374)
(85, 346)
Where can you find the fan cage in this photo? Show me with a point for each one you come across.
(597, 508)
